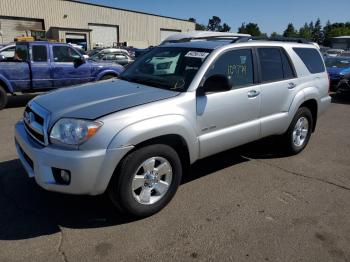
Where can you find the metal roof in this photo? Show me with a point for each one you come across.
(127, 10)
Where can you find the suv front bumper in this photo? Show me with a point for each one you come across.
(90, 171)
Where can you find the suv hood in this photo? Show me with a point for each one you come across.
(94, 100)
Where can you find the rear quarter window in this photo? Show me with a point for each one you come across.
(311, 58)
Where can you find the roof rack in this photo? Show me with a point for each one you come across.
(278, 38)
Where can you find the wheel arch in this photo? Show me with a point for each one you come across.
(6, 84)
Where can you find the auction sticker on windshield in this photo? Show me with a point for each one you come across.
(196, 54)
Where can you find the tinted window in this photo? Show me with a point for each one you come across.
(39, 53)
(237, 65)
(311, 58)
(270, 64)
(21, 53)
(64, 54)
(288, 71)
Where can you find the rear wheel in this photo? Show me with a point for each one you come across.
(299, 132)
(3, 98)
(146, 180)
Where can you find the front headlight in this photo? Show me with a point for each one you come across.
(73, 132)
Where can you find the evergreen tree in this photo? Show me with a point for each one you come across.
(317, 33)
(305, 32)
(290, 31)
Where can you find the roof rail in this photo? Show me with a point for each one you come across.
(278, 38)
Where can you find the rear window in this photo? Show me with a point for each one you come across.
(311, 58)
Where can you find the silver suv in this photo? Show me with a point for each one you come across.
(134, 136)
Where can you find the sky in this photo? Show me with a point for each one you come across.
(270, 15)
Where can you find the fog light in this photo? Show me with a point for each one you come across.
(65, 176)
(61, 176)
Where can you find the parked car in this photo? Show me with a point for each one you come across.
(38, 66)
(135, 136)
(339, 72)
(8, 51)
(334, 52)
(115, 57)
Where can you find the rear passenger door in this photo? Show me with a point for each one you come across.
(65, 71)
(279, 86)
(40, 66)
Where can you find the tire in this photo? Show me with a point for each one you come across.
(299, 132)
(105, 77)
(135, 191)
(3, 98)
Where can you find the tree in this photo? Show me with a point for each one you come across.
(274, 35)
(305, 32)
(317, 33)
(250, 28)
(199, 27)
(327, 33)
(290, 31)
(214, 24)
(225, 28)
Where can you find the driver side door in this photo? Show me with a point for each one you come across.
(230, 118)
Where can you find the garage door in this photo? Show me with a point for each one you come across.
(11, 28)
(103, 35)
(164, 33)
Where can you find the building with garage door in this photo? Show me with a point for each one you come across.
(86, 24)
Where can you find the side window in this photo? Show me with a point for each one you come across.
(39, 53)
(8, 52)
(120, 57)
(311, 58)
(288, 71)
(270, 64)
(237, 65)
(21, 53)
(64, 54)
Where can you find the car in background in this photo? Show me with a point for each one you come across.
(38, 66)
(334, 52)
(115, 57)
(339, 72)
(8, 51)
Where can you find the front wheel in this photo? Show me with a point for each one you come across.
(105, 77)
(299, 132)
(3, 98)
(146, 180)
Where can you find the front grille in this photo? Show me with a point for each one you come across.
(38, 119)
(35, 119)
(32, 132)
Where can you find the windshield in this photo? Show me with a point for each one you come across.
(171, 68)
(338, 62)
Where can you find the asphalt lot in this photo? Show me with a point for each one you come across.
(247, 204)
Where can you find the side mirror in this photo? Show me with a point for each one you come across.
(2, 58)
(79, 60)
(214, 84)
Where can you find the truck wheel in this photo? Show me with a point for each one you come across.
(105, 77)
(298, 134)
(146, 180)
(3, 98)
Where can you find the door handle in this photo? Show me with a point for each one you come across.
(253, 93)
(291, 85)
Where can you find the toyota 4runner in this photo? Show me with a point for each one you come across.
(133, 137)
